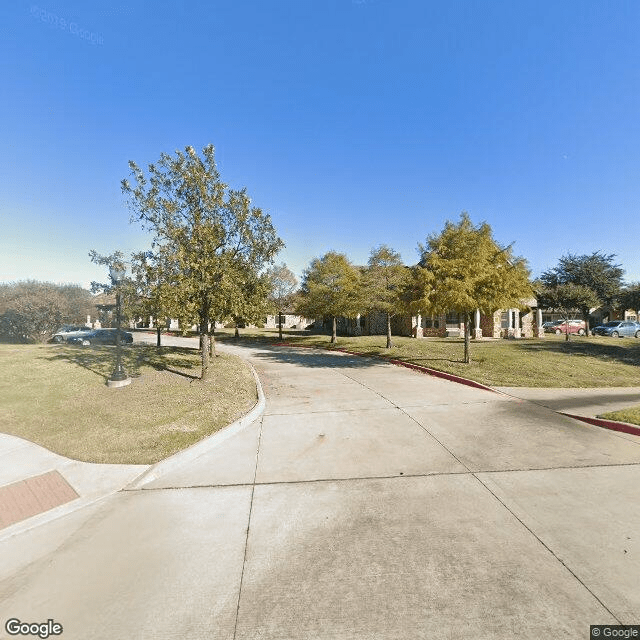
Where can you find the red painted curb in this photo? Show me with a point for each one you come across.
(606, 424)
(442, 374)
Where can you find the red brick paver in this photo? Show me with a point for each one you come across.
(26, 498)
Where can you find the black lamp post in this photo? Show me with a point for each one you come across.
(119, 377)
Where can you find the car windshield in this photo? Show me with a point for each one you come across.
(612, 324)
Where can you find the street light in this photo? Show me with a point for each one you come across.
(118, 378)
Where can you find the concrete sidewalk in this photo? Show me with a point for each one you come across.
(583, 402)
(370, 501)
(37, 485)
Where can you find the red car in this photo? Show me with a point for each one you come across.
(575, 326)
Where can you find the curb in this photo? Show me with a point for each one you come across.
(623, 427)
(203, 446)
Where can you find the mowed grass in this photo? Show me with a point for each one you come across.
(630, 415)
(56, 396)
(546, 362)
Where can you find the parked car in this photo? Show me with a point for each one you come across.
(101, 336)
(618, 329)
(549, 327)
(574, 326)
(68, 331)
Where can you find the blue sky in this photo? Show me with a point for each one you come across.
(352, 122)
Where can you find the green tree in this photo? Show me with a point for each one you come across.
(629, 297)
(154, 294)
(385, 282)
(283, 285)
(565, 299)
(469, 270)
(209, 233)
(330, 287)
(596, 272)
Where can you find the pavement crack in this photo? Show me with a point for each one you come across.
(549, 549)
(246, 540)
(453, 455)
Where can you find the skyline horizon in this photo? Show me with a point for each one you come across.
(352, 123)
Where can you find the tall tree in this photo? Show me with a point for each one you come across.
(565, 299)
(210, 233)
(283, 285)
(629, 297)
(385, 281)
(472, 271)
(330, 287)
(596, 272)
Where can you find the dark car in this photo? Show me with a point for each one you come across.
(101, 336)
(618, 328)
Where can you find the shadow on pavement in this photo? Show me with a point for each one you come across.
(310, 358)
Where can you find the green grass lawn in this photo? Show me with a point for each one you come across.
(630, 415)
(56, 396)
(547, 362)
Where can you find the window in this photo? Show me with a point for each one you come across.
(453, 320)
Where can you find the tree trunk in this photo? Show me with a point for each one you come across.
(204, 347)
(467, 334)
(333, 331)
(158, 334)
(389, 345)
(585, 317)
(566, 330)
(280, 325)
(236, 334)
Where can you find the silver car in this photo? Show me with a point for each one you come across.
(68, 331)
(618, 329)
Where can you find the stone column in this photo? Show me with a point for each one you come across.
(477, 332)
(150, 322)
(419, 333)
(539, 327)
(517, 332)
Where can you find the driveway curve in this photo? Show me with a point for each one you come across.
(369, 501)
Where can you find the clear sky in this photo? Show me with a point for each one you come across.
(352, 122)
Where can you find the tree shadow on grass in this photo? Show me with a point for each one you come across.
(622, 350)
(101, 359)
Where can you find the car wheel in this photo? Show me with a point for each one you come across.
(580, 332)
(558, 332)
(86, 343)
(637, 334)
(615, 334)
(58, 339)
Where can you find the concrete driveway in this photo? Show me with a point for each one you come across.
(370, 501)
